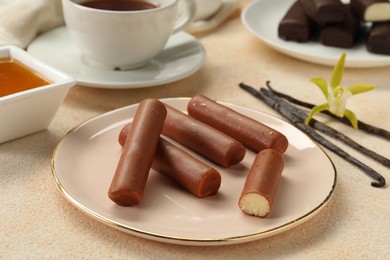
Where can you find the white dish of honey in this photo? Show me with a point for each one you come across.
(30, 93)
(182, 56)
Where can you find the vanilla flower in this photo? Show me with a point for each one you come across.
(337, 95)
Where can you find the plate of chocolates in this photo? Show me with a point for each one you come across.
(318, 31)
(192, 195)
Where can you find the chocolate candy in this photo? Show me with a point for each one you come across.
(342, 34)
(181, 167)
(128, 184)
(187, 171)
(324, 11)
(262, 183)
(251, 133)
(379, 38)
(371, 10)
(295, 25)
(202, 138)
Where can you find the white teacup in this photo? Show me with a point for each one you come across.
(123, 39)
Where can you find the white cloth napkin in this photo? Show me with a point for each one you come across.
(22, 20)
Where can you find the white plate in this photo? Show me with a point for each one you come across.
(262, 17)
(182, 56)
(84, 162)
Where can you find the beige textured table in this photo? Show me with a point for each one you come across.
(38, 222)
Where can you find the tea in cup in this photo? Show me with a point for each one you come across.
(123, 34)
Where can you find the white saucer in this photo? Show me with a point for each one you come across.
(182, 56)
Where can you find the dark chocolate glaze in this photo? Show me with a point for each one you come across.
(324, 11)
(379, 38)
(342, 34)
(295, 25)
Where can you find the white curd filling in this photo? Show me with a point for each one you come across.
(377, 12)
(255, 204)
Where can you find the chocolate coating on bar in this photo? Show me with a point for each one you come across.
(295, 25)
(371, 10)
(379, 38)
(251, 133)
(185, 170)
(181, 167)
(262, 183)
(128, 184)
(202, 138)
(343, 34)
(324, 11)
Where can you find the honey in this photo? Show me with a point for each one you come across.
(16, 77)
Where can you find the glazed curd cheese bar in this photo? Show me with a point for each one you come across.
(254, 135)
(379, 38)
(262, 183)
(181, 167)
(128, 184)
(185, 170)
(371, 10)
(207, 141)
(295, 25)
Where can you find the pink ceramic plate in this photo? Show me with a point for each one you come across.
(84, 162)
